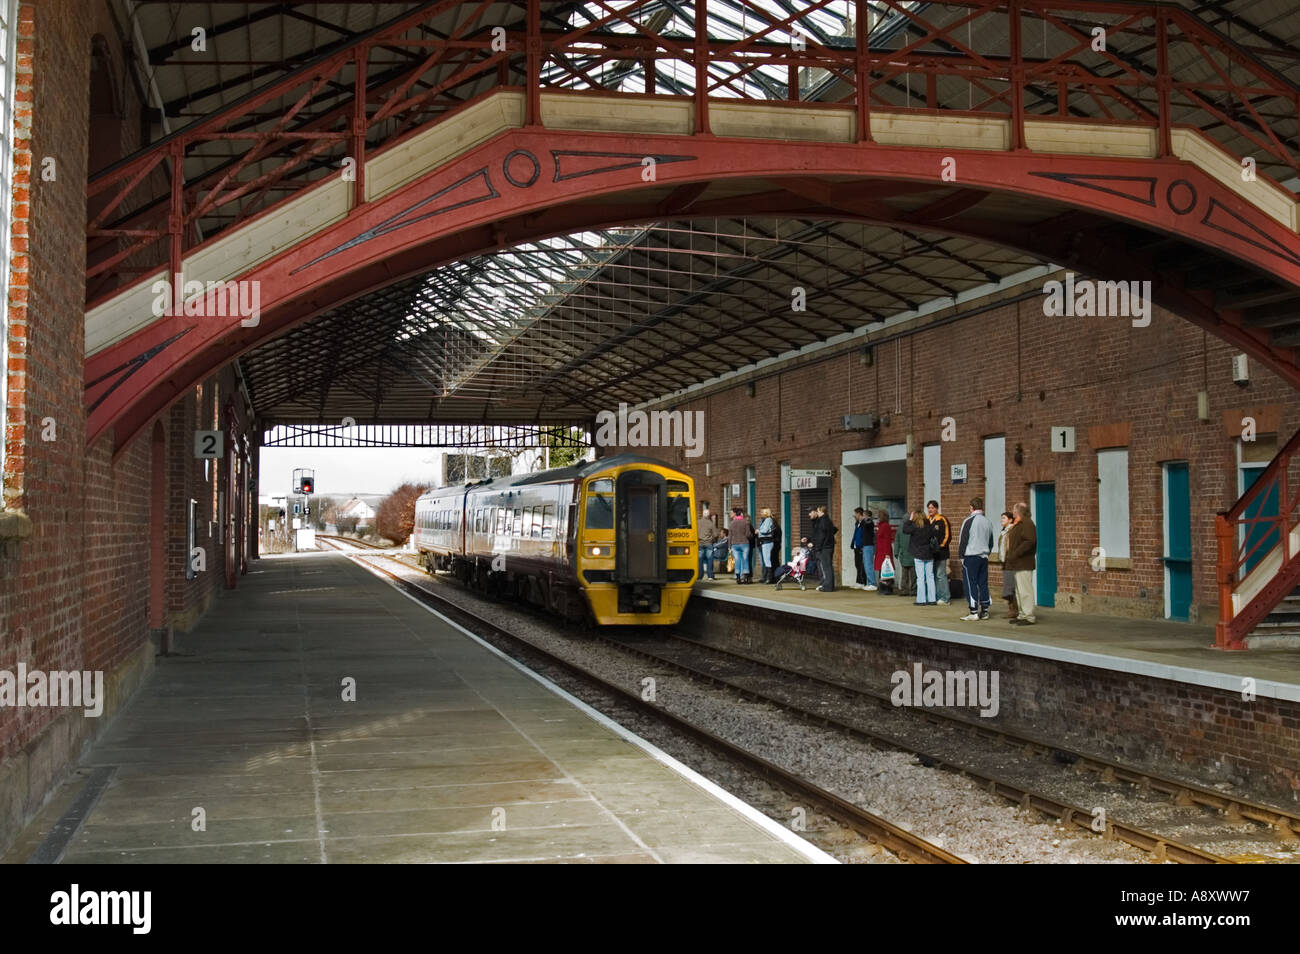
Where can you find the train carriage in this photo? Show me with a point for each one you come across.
(613, 539)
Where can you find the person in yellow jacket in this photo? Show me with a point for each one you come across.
(942, 537)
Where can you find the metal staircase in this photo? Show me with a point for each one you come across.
(1259, 559)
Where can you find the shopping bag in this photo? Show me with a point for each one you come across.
(731, 563)
(887, 569)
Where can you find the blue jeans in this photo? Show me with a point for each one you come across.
(706, 560)
(741, 552)
(869, 564)
(924, 581)
(767, 553)
(941, 580)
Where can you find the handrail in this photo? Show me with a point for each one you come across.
(1281, 460)
(1236, 550)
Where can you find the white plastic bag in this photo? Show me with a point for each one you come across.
(887, 569)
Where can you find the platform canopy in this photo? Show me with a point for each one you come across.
(553, 331)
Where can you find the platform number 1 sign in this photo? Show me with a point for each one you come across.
(1063, 440)
(209, 444)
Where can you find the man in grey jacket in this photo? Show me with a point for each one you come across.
(976, 542)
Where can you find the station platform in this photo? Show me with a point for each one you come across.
(241, 748)
(1160, 649)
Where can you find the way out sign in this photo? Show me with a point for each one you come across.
(209, 444)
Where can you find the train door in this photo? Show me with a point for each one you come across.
(640, 551)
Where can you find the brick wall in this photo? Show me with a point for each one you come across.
(75, 529)
(1009, 370)
(190, 478)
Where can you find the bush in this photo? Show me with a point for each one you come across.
(395, 517)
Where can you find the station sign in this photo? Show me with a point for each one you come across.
(209, 445)
(1063, 440)
(810, 478)
(959, 473)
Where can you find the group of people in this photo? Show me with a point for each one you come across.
(739, 538)
(752, 548)
(919, 553)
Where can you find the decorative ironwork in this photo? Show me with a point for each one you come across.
(499, 437)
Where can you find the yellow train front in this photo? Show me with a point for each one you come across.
(635, 543)
(611, 540)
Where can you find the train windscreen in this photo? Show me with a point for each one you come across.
(600, 512)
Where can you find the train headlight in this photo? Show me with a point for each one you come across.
(605, 550)
(678, 551)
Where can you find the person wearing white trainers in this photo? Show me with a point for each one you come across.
(864, 549)
(975, 543)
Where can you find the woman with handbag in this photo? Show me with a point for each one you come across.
(884, 547)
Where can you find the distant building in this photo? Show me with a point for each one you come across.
(359, 508)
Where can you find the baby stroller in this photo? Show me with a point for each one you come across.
(798, 568)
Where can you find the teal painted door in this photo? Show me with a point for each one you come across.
(1178, 542)
(785, 527)
(1045, 557)
(1261, 537)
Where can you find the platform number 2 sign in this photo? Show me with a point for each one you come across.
(209, 444)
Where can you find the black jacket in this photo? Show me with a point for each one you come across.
(823, 533)
(864, 534)
(942, 535)
(921, 534)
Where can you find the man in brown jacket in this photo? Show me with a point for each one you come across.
(1022, 542)
(708, 536)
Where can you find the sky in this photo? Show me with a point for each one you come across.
(342, 472)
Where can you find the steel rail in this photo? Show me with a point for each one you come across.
(905, 844)
(1183, 793)
(359, 543)
(1160, 846)
(1286, 823)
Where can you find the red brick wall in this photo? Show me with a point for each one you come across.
(188, 478)
(74, 590)
(1085, 373)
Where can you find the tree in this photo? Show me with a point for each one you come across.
(480, 467)
(566, 447)
(395, 516)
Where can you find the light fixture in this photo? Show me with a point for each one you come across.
(1019, 456)
(750, 388)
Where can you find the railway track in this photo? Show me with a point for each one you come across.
(1273, 824)
(363, 544)
(1162, 844)
(905, 844)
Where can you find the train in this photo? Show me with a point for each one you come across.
(610, 541)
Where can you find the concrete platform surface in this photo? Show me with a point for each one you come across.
(244, 749)
(1182, 652)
